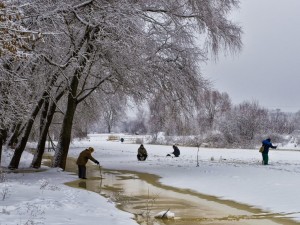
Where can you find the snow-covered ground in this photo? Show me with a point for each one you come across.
(234, 174)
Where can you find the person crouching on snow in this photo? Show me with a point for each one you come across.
(82, 160)
(266, 144)
(142, 153)
(176, 152)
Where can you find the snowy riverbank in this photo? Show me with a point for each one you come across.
(233, 174)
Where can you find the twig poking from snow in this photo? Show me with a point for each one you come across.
(165, 213)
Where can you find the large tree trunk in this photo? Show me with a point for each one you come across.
(46, 122)
(14, 163)
(37, 158)
(61, 153)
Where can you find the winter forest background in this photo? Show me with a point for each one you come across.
(73, 67)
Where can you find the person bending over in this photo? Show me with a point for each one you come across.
(82, 160)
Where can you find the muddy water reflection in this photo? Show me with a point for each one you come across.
(142, 195)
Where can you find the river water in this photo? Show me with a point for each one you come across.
(144, 196)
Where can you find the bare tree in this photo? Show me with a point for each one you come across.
(112, 110)
(280, 122)
(158, 117)
(213, 104)
(139, 123)
(161, 24)
(296, 120)
(13, 95)
(45, 122)
(135, 119)
(14, 163)
(245, 122)
(137, 48)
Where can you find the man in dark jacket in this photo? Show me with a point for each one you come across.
(176, 151)
(267, 145)
(142, 153)
(82, 160)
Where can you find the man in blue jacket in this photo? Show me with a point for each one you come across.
(266, 144)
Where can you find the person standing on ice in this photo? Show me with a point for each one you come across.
(267, 145)
(142, 153)
(82, 160)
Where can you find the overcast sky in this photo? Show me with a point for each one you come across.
(267, 68)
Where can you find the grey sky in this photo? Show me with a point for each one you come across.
(267, 68)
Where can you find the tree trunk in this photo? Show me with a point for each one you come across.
(13, 139)
(44, 114)
(3, 136)
(14, 163)
(37, 159)
(61, 153)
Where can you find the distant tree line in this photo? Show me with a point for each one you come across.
(214, 121)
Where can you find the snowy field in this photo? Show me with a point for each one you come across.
(233, 174)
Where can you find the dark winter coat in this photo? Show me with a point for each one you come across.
(142, 151)
(267, 144)
(176, 151)
(84, 156)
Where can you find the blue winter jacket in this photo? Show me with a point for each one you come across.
(267, 144)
